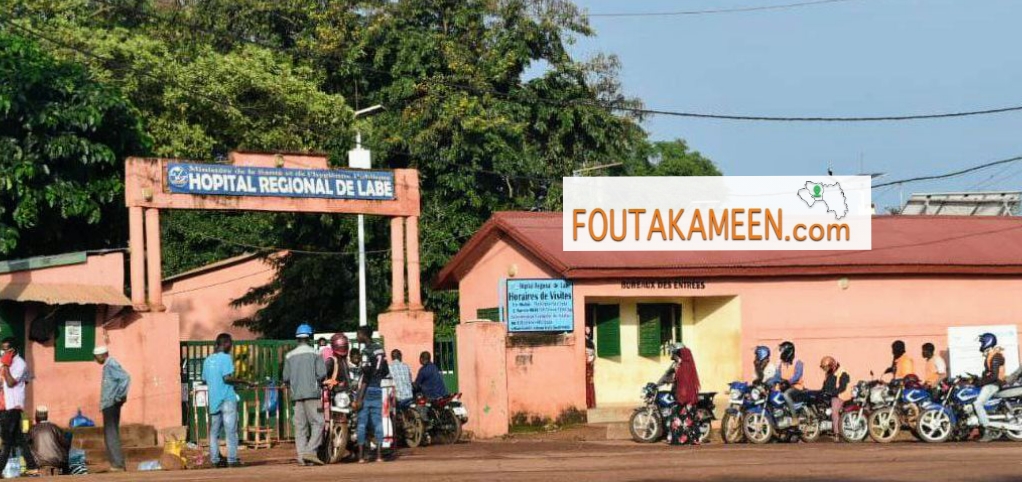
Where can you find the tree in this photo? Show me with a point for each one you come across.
(673, 158)
(63, 139)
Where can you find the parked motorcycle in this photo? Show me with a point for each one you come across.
(896, 407)
(855, 413)
(648, 422)
(955, 417)
(442, 418)
(731, 423)
(769, 418)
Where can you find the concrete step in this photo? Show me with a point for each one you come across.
(614, 430)
(132, 435)
(609, 413)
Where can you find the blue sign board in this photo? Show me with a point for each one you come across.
(539, 305)
(224, 180)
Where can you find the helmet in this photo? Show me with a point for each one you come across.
(339, 344)
(987, 341)
(828, 363)
(787, 350)
(675, 348)
(762, 353)
(304, 331)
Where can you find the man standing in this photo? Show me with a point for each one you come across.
(112, 395)
(402, 375)
(837, 387)
(936, 369)
(429, 379)
(14, 372)
(374, 370)
(902, 365)
(50, 445)
(304, 371)
(218, 373)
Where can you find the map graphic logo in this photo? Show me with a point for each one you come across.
(830, 195)
(177, 177)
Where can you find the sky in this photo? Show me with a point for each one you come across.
(850, 58)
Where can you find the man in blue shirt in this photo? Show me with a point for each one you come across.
(112, 395)
(429, 379)
(218, 373)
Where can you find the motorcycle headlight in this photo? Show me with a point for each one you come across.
(756, 394)
(342, 400)
(736, 394)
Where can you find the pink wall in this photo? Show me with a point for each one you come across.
(139, 343)
(482, 377)
(855, 321)
(97, 270)
(559, 370)
(203, 300)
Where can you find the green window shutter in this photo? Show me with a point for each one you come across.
(608, 331)
(12, 322)
(492, 314)
(649, 330)
(676, 321)
(80, 323)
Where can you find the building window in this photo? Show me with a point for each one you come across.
(76, 333)
(492, 314)
(607, 320)
(659, 326)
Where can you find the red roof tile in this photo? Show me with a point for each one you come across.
(901, 245)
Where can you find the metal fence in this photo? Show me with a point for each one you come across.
(445, 355)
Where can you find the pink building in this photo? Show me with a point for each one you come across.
(202, 297)
(923, 275)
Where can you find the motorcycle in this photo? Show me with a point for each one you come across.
(855, 413)
(648, 423)
(442, 418)
(899, 406)
(731, 423)
(955, 417)
(338, 427)
(769, 417)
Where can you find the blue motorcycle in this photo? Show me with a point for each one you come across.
(768, 417)
(738, 402)
(898, 405)
(955, 417)
(648, 422)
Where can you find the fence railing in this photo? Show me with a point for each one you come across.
(445, 355)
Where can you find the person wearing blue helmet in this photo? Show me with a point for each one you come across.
(991, 380)
(761, 363)
(304, 372)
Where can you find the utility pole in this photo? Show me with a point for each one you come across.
(359, 158)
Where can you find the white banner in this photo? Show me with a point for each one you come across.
(963, 348)
(739, 213)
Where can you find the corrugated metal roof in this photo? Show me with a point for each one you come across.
(901, 245)
(64, 294)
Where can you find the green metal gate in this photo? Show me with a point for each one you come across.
(260, 362)
(445, 355)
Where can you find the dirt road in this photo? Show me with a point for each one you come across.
(564, 460)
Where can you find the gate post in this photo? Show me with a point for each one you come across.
(482, 377)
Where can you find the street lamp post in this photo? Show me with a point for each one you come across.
(359, 158)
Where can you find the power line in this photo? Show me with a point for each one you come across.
(613, 106)
(718, 10)
(950, 174)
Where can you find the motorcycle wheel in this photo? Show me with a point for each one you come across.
(731, 428)
(809, 428)
(704, 426)
(335, 443)
(1014, 416)
(449, 427)
(645, 425)
(413, 427)
(853, 427)
(757, 428)
(934, 426)
(884, 425)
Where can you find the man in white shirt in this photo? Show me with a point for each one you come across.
(14, 372)
(936, 369)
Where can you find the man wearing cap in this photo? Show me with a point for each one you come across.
(14, 373)
(113, 393)
(50, 445)
(304, 371)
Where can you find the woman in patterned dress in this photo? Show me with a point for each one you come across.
(683, 428)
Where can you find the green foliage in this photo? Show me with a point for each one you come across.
(63, 136)
(219, 75)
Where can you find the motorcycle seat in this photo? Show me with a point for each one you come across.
(1010, 393)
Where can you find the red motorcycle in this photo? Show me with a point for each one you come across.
(442, 417)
